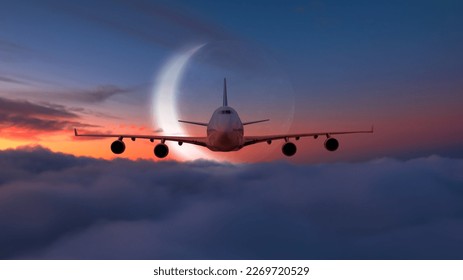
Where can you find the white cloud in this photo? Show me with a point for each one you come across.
(57, 206)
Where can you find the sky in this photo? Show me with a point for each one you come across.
(306, 65)
(309, 66)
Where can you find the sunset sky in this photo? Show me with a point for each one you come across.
(100, 66)
(306, 65)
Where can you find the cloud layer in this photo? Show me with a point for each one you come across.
(56, 206)
(24, 119)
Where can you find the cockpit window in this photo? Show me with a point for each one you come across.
(226, 112)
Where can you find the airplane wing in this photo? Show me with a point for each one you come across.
(195, 123)
(253, 122)
(250, 140)
(200, 141)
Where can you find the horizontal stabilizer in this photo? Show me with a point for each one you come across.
(246, 123)
(195, 123)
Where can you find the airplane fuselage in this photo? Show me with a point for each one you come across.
(225, 130)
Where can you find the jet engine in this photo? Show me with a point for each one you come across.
(161, 150)
(331, 144)
(289, 149)
(118, 147)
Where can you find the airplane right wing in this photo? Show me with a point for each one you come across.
(200, 141)
(250, 140)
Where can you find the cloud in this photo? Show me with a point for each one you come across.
(86, 111)
(6, 79)
(179, 17)
(169, 26)
(56, 206)
(97, 95)
(8, 48)
(10, 106)
(24, 119)
(13, 52)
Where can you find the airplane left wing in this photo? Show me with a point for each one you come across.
(253, 122)
(200, 141)
(250, 140)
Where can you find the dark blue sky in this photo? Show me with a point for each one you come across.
(313, 39)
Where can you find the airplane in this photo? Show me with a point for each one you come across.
(225, 133)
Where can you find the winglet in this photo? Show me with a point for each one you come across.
(372, 128)
(225, 101)
(75, 132)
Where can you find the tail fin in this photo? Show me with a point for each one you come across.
(225, 101)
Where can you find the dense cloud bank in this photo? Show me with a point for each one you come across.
(55, 206)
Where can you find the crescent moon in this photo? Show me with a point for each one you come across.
(164, 106)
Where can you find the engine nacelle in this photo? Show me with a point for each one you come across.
(331, 144)
(289, 149)
(118, 147)
(161, 150)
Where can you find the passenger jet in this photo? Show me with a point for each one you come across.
(225, 133)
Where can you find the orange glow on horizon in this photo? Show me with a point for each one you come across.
(394, 135)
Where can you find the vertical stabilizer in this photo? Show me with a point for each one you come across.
(225, 101)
